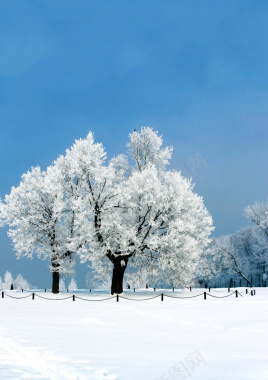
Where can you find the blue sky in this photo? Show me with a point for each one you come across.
(196, 71)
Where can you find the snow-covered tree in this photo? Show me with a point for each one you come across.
(208, 268)
(18, 283)
(95, 281)
(21, 283)
(139, 279)
(62, 285)
(246, 246)
(258, 214)
(73, 284)
(242, 255)
(230, 258)
(8, 280)
(141, 216)
(40, 219)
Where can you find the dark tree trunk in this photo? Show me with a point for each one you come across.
(244, 277)
(55, 282)
(120, 265)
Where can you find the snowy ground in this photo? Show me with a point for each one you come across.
(135, 340)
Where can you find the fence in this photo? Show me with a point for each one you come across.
(117, 297)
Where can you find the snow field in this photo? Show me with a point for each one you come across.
(147, 340)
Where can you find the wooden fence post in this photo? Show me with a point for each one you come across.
(117, 298)
(73, 297)
(33, 296)
(162, 297)
(205, 295)
(3, 294)
(236, 293)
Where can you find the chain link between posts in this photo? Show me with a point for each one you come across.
(16, 298)
(87, 299)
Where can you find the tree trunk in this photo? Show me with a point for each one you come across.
(244, 277)
(120, 265)
(55, 282)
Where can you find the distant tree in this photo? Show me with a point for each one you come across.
(208, 268)
(8, 280)
(258, 214)
(95, 281)
(21, 283)
(139, 279)
(62, 285)
(231, 259)
(242, 255)
(73, 284)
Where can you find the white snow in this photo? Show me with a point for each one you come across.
(134, 340)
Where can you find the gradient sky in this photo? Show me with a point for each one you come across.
(196, 71)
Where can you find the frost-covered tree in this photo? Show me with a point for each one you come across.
(260, 254)
(95, 281)
(246, 247)
(209, 267)
(258, 214)
(8, 280)
(139, 216)
(18, 283)
(166, 226)
(73, 284)
(242, 255)
(229, 258)
(139, 279)
(40, 219)
(21, 283)
(62, 285)
(41, 211)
